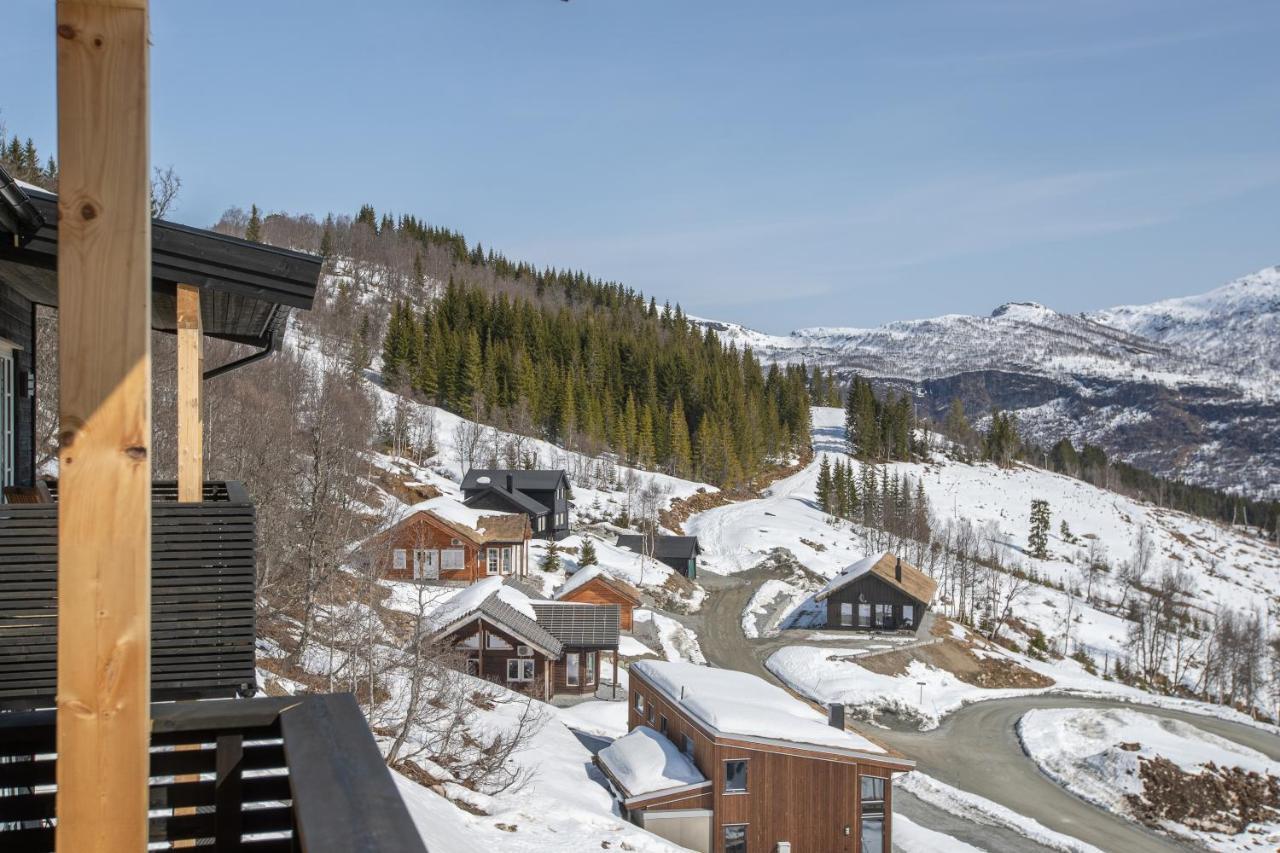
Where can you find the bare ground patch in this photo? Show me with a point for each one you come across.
(957, 657)
(1217, 799)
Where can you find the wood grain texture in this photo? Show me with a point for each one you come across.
(104, 524)
(190, 386)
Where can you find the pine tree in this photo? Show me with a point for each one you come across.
(587, 557)
(824, 486)
(550, 561)
(253, 231)
(1038, 538)
(681, 455)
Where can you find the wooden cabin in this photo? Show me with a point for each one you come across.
(116, 591)
(771, 773)
(879, 593)
(544, 648)
(678, 552)
(593, 585)
(442, 541)
(541, 495)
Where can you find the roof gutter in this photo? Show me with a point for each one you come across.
(17, 213)
(273, 344)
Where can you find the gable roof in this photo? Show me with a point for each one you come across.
(588, 625)
(488, 600)
(664, 547)
(518, 501)
(246, 289)
(476, 526)
(544, 480)
(884, 566)
(582, 577)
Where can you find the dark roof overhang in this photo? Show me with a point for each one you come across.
(246, 288)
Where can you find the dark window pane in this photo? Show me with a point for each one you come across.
(735, 775)
(872, 835)
(735, 838)
(688, 745)
(872, 789)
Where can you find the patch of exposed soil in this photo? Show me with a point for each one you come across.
(1217, 799)
(674, 517)
(989, 671)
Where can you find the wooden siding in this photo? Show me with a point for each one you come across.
(872, 590)
(596, 591)
(424, 532)
(17, 325)
(202, 600)
(793, 794)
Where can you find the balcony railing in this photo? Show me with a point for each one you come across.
(202, 597)
(271, 775)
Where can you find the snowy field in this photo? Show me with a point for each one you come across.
(1097, 755)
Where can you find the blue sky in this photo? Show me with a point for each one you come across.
(780, 164)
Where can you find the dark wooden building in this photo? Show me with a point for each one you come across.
(593, 585)
(776, 773)
(678, 552)
(879, 593)
(541, 495)
(545, 648)
(442, 541)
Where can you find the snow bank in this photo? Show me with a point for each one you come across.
(678, 642)
(643, 761)
(737, 703)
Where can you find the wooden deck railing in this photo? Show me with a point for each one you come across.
(202, 597)
(270, 775)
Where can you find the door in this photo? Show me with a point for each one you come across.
(7, 401)
(425, 567)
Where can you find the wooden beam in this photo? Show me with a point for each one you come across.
(190, 383)
(104, 511)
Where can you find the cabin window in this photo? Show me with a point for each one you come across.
(846, 615)
(495, 562)
(399, 559)
(688, 746)
(871, 799)
(735, 776)
(424, 565)
(473, 666)
(884, 615)
(520, 669)
(662, 723)
(908, 615)
(591, 667)
(864, 615)
(493, 641)
(735, 838)
(453, 559)
(506, 560)
(571, 669)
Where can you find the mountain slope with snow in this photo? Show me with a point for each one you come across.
(1184, 388)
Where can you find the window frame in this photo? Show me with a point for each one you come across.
(492, 561)
(909, 620)
(864, 615)
(399, 559)
(446, 553)
(589, 664)
(639, 704)
(571, 663)
(688, 747)
(746, 776)
(846, 610)
(745, 840)
(520, 670)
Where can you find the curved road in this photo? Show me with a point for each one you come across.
(976, 748)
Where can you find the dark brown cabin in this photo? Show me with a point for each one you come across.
(880, 593)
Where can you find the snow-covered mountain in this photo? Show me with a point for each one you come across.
(1185, 387)
(1236, 325)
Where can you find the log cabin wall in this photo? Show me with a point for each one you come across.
(423, 532)
(491, 663)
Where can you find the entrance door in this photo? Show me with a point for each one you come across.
(425, 567)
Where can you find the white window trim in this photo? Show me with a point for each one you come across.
(571, 662)
(523, 666)
(591, 668)
(399, 559)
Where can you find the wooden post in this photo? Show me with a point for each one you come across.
(190, 382)
(615, 674)
(104, 509)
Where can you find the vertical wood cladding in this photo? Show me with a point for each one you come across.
(793, 794)
(596, 591)
(17, 325)
(871, 590)
(422, 532)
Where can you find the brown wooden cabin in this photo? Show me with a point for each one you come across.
(122, 599)
(557, 652)
(880, 593)
(775, 777)
(435, 546)
(593, 585)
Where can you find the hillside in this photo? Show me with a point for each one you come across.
(1184, 388)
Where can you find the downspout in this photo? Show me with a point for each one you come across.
(279, 315)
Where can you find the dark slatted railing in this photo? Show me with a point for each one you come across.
(202, 597)
(270, 775)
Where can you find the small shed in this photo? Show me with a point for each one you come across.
(593, 585)
(678, 552)
(882, 592)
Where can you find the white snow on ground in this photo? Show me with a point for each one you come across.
(678, 642)
(596, 717)
(909, 837)
(737, 703)
(1080, 748)
(643, 761)
(983, 811)
(773, 601)
(630, 647)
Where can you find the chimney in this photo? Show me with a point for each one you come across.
(511, 482)
(835, 716)
(897, 570)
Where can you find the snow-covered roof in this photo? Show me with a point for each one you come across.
(889, 568)
(455, 512)
(737, 704)
(582, 577)
(500, 604)
(644, 761)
